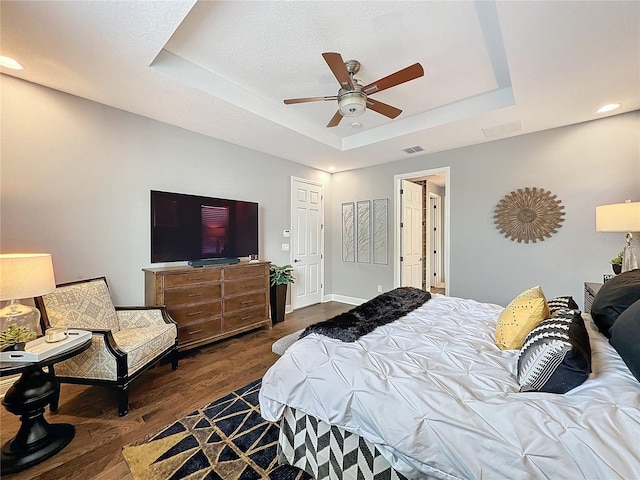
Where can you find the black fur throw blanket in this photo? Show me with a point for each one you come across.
(359, 321)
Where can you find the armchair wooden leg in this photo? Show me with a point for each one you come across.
(55, 398)
(174, 360)
(123, 401)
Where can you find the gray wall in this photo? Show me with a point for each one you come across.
(585, 165)
(76, 177)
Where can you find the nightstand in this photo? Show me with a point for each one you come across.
(36, 439)
(590, 290)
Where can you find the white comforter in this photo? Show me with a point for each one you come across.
(439, 399)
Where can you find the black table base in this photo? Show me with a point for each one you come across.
(36, 439)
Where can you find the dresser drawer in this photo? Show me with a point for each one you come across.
(245, 301)
(243, 319)
(195, 313)
(198, 331)
(192, 294)
(243, 286)
(245, 271)
(198, 276)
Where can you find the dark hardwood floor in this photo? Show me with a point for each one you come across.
(157, 398)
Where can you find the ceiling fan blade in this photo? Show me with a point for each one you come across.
(401, 76)
(336, 64)
(383, 108)
(335, 120)
(291, 101)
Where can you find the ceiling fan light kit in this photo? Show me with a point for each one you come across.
(353, 97)
(352, 104)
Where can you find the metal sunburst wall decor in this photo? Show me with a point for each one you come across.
(529, 215)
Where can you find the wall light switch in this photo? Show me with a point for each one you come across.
(285, 247)
(379, 288)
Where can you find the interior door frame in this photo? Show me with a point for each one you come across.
(397, 215)
(435, 239)
(292, 238)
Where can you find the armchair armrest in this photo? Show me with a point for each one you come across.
(103, 360)
(138, 317)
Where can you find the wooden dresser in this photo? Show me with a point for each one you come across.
(211, 303)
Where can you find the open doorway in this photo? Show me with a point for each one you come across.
(433, 233)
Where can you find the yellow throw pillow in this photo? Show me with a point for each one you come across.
(521, 316)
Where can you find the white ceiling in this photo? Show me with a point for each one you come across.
(223, 69)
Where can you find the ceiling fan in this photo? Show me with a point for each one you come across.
(353, 97)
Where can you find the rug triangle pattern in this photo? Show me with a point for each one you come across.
(227, 439)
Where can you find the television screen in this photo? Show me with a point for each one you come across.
(191, 227)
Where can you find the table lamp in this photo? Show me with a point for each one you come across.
(621, 217)
(22, 275)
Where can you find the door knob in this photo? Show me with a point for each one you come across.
(295, 260)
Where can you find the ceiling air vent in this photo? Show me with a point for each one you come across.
(415, 149)
(503, 130)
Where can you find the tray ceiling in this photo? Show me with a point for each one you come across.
(222, 69)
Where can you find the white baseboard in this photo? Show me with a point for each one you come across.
(343, 299)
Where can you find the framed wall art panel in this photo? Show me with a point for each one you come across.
(380, 231)
(363, 231)
(348, 232)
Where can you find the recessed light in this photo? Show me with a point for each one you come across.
(9, 62)
(356, 125)
(608, 107)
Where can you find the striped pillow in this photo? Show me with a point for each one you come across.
(556, 355)
(558, 303)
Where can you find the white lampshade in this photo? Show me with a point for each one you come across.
(26, 275)
(22, 275)
(621, 217)
(618, 217)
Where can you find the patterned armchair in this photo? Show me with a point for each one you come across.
(126, 340)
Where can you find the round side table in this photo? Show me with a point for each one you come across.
(36, 439)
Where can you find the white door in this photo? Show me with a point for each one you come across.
(411, 235)
(307, 205)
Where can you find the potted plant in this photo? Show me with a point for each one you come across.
(616, 263)
(279, 277)
(15, 337)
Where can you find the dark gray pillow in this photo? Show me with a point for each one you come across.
(615, 297)
(556, 355)
(625, 337)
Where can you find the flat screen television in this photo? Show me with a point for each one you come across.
(194, 228)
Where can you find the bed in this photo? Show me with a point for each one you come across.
(430, 395)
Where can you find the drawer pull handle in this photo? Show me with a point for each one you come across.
(196, 278)
(195, 313)
(246, 318)
(247, 302)
(194, 332)
(196, 294)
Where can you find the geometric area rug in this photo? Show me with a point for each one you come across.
(225, 440)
